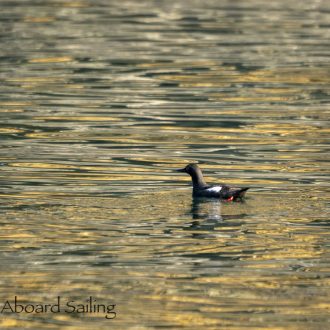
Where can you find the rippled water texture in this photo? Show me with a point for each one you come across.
(101, 100)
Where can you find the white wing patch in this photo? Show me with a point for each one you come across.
(216, 189)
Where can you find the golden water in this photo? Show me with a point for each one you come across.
(101, 101)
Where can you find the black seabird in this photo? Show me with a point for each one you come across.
(202, 189)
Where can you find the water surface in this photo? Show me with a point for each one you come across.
(101, 101)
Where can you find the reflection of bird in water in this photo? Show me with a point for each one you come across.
(206, 214)
(202, 189)
(208, 209)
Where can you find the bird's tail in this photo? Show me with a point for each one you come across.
(239, 193)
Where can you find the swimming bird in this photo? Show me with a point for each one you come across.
(202, 189)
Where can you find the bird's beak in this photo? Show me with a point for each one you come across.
(181, 170)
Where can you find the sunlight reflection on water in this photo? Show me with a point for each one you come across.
(102, 101)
